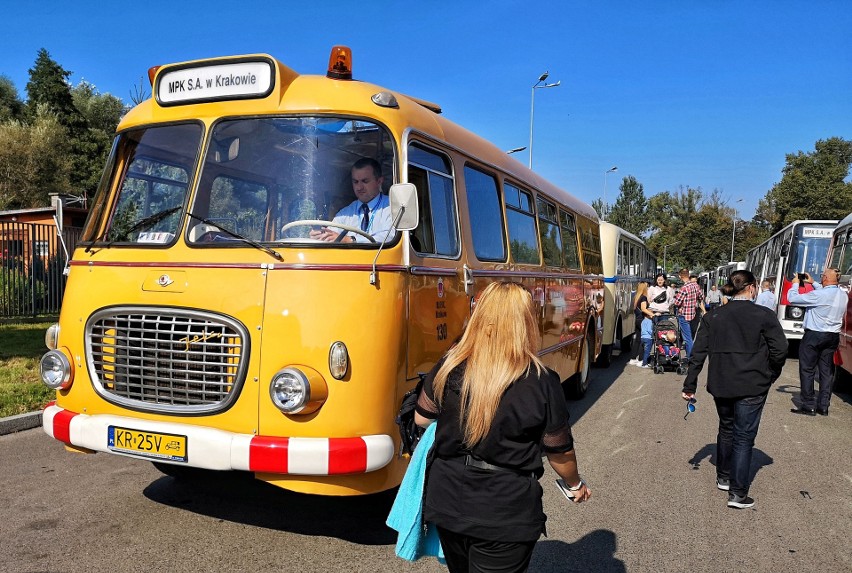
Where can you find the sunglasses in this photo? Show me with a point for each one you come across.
(690, 407)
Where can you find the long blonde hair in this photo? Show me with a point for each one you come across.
(641, 290)
(499, 345)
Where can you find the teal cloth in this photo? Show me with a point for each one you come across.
(416, 539)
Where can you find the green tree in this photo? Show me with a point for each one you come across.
(48, 86)
(629, 211)
(11, 106)
(34, 161)
(101, 113)
(601, 209)
(812, 186)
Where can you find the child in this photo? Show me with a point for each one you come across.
(667, 347)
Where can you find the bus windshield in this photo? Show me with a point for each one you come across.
(267, 179)
(809, 250)
(271, 179)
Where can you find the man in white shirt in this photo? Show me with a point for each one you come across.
(370, 212)
(766, 297)
(825, 307)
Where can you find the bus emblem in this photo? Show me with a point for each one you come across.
(164, 280)
(440, 288)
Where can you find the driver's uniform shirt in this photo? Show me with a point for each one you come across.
(379, 219)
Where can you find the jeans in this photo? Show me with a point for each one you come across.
(647, 343)
(739, 419)
(816, 354)
(686, 333)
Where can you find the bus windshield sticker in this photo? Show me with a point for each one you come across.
(215, 82)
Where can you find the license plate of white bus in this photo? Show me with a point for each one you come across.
(154, 445)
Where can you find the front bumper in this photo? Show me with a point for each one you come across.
(214, 449)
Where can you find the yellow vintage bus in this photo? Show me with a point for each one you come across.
(211, 322)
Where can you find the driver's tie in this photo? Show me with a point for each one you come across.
(365, 216)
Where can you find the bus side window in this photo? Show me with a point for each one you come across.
(569, 237)
(548, 232)
(845, 264)
(523, 240)
(486, 215)
(437, 233)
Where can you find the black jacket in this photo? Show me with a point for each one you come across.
(747, 349)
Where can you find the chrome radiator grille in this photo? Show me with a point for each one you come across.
(166, 360)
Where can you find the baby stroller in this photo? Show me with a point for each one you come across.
(667, 349)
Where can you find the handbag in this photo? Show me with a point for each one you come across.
(409, 432)
(661, 298)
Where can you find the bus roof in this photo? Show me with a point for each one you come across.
(315, 94)
(847, 220)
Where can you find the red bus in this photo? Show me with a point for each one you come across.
(840, 258)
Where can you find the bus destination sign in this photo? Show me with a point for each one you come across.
(241, 80)
(817, 232)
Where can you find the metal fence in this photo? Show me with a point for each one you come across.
(32, 261)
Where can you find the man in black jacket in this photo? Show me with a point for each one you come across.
(747, 350)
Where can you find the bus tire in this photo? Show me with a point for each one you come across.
(580, 381)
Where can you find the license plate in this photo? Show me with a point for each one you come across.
(155, 445)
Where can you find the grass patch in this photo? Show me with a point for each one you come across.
(21, 389)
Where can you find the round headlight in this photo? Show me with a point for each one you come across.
(796, 313)
(338, 360)
(289, 390)
(298, 390)
(55, 370)
(51, 337)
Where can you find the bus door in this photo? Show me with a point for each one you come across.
(438, 305)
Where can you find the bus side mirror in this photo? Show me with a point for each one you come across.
(785, 249)
(403, 203)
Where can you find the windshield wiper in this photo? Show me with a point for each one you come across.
(140, 224)
(237, 236)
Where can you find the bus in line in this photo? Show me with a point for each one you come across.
(840, 257)
(800, 247)
(720, 274)
(205, 326)
(626, 261)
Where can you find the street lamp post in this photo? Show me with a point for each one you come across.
(665, 248)
(538, 85)
(734, 228)
(610, 170)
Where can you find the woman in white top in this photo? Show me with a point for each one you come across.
(660, 287)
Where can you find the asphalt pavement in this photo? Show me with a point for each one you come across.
(655, 506)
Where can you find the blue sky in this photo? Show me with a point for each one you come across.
(709, 94)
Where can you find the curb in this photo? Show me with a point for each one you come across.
(19, 423)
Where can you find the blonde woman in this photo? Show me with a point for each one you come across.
(499, 409)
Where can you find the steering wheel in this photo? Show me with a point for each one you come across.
(320, 222)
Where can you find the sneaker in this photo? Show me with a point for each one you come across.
(633, 362)
(739, 502)
(644, 366)
(723, 484)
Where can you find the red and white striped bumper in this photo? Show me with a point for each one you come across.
(214, 449)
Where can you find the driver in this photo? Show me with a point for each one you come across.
(370, 212)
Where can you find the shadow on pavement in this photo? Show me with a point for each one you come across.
(240, 498)
(599, 382)
(759, 459)
(593, 553)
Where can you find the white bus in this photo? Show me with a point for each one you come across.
(626, 261)
(840, 258)
(800, 247)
